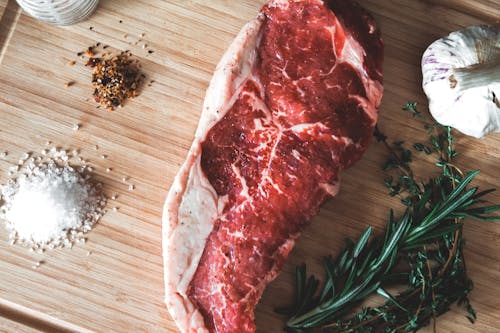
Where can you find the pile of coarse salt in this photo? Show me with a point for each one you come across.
(51, 204)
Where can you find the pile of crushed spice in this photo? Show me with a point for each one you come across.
(51, 204)
(114, 78)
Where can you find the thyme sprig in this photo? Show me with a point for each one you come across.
(421, 251)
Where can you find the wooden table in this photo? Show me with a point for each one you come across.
(118, 287)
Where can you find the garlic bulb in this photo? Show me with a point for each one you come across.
(461, 78)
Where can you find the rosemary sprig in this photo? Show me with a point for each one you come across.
(422, 251)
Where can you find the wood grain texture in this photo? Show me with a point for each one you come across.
(8, 326)
(118, 287)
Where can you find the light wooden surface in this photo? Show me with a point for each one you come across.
(118, 287)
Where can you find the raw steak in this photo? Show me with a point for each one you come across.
(292, 103)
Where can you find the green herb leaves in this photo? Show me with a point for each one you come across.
(421, 251)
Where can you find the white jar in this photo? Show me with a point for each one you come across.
(59, 12)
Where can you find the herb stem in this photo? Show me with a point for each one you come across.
(432, 288)
(396, 156)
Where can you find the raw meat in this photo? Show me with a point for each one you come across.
(292, 103)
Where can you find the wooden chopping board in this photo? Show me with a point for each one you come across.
(113, 282)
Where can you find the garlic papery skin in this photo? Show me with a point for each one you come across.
(461, 78)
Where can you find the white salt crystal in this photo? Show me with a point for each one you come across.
(76, 127)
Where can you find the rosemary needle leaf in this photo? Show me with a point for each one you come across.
(483, 193)
(484, 210)
(393, 241)
(438, 232)
(463, 184)
(362, 242)
(382, 292)
(301, 278)
(329, 288)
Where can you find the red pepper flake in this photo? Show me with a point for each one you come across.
(115, 78)
(72, 63)
(90, 51)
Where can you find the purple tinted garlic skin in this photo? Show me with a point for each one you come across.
(461, 78)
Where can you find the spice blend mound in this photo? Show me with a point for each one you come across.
(51, 204)
(115, 78)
